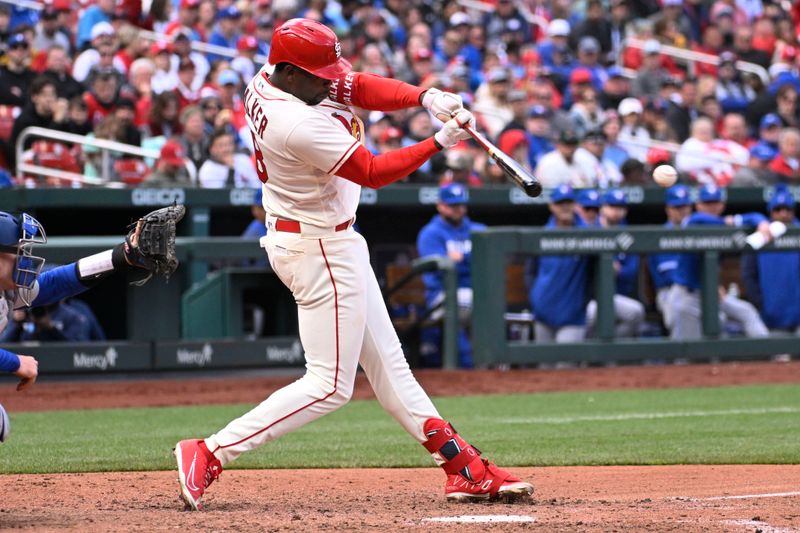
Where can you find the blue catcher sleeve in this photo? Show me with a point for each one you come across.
(59, 283)
(9, 362)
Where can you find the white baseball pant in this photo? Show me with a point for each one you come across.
(564, 334)
(686, 312)
(343, 321)
(628, 313)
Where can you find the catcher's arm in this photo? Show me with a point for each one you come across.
(149, 249)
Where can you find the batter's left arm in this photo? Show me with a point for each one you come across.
(376, 93)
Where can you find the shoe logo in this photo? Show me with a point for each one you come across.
(190, 484)
(465, 483)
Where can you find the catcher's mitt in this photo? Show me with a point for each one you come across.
(150, 244)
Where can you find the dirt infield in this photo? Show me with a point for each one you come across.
(743, 498)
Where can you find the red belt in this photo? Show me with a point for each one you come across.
(293, 226)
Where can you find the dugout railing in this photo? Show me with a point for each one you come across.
(492, 248)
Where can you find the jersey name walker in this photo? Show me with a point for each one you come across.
(298, 149)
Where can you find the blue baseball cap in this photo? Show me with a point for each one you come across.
(678, 196)
(615, 197)
(589, 198)
(230, 12)
(562, 193)
(710, 193)
(539, 111)
(763, 151)
(781, 198)
(228, 77)
(770, 120)
(454, 194)
(16, 39)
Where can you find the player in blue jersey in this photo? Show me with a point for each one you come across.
(685, 295)
(448, 235)
(772, 279)
(663, 266)
(628, 311)
(588, 205)
(23, 284)
(559, 283)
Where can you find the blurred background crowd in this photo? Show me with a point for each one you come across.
(590, 93)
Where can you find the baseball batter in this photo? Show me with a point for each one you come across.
(311, 158)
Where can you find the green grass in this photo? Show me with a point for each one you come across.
(753, 424)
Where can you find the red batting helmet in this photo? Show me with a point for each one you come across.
(310, 45)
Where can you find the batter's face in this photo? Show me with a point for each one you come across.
(7, 262)
(304, 85)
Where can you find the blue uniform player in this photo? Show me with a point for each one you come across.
(684, 298)
(588, 207)
(772, 279)
(663, 267)
(448, 235)
(559, 283)
(23, 284)
(628, 312)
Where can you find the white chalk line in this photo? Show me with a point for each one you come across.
(647, 416)
(760, 526)
(482, 519)
(747, 496)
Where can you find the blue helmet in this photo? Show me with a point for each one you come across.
(17, 236)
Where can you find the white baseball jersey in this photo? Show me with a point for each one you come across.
(298, 150)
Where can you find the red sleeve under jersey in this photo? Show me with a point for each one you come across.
(376, 171)
(376, 93)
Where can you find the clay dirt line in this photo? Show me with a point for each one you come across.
(631, 498)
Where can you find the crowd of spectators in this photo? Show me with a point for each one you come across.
(587, 93)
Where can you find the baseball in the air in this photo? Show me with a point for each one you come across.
(665, 175)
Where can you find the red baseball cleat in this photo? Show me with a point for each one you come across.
(496, 484)
(197, 469)
(470, 478)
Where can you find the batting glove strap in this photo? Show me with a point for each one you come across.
(453, 132)
(442, 105)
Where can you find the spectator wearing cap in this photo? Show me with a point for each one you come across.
(228, 83)
(614, 152)
(586, 113)
(448, 235)
(579, 79)
(95, 14)
(651, 75)
(587, 206)
(559, 283)
(491, 107)
(193, 138)
(729, 8)
(594, 25)
(45, 110)
(589, 58)
(78, 118)
(228, 30)
(540, 134)
(184, 90)
(603, 173)
(770, 278)
(225, 167)
(171, 168)
(787, 162)
(757, 172)
(684, 298)
(554, 49)
(48, 31)
(633, 136)
(15, 76)
(496, 21)
(459, 169)
(181, 51)
(769, 130)
(561, 165)
(422, 65)
(663, 266)
(390, 138)
(125, 113)
(543, 93)
(628, 312)
(188, 17)
(516, 144)
(100, 53)
(732, 93)
(164, 78)
(244, 62)
(616, 88)
(264, 30)
(674, 12)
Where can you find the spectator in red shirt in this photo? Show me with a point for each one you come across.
(188, 15)
(101, 98)
(186, 95)
(163, 119)
(787, 163)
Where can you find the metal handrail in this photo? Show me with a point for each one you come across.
(199, 46)
(103, 144)
(692, 56)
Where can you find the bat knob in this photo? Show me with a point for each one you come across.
(533, 189)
